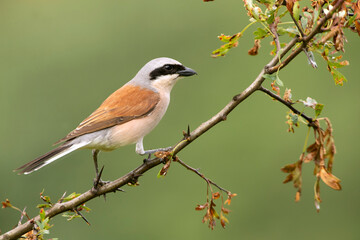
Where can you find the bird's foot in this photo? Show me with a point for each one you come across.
(98, 182)
(146, 160)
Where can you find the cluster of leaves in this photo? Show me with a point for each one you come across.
(276, 83)
(294, 119)
(329, 42)
(231, 42)
(70, 215)
(41, 227)
(211, 215)
(321, 153)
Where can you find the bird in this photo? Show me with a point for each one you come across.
(124, 118)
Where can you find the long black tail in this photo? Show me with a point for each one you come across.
(47, 158)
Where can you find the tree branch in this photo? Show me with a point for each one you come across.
(201, 175)
(306, 39)
(289, 105)
(132, 176)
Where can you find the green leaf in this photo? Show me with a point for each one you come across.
(266, 1)
(40, 225)
(351, 20)
(159, 175)
(336, 64)
(308, 15)
(292, 32)
(270, 77)
(339, 78)
(296, 10)
(278, 81)
(70, 216)
(294, 118)
(304, 22)
(318, 108)
(71, 197)
(45, 205)
(231, 42)
(271, 18)
(42, 214)
(86, 208)
(261, 33)
(220, 51)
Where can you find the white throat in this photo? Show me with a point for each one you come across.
(164, 84)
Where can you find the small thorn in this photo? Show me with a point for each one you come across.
(82, 216)
(22, 216)
(62, 197)
(98, 178)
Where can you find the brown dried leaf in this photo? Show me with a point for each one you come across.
(309, 157)
(339, 40)
(230, 196)
(290, 5)
(206, 216)
(287, 95)
(288, 178)
(275, 88)
(255, 49)
(329, 179)
(6, 204)
(297, 195)
(223, 220)
(356, 8)
(31, 235)
(201, 207)
(164, 169)
(289, 168)
(215, 195)
(225, 210)
(213, 211)
(313, 147)
(162, 154)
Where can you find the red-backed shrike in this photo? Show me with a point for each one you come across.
(125, 117)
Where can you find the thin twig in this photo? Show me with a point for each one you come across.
(23, 213)
(273, 29)
(201, 175)
(306, 39)
(302, 34)
(289, 105)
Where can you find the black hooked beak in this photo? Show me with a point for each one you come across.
(186, 72)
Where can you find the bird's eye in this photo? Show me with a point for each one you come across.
(168, 67)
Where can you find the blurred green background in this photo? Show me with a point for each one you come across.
(60, 59)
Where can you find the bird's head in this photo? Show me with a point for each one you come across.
(161, 74)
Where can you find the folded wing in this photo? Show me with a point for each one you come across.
(127, 103)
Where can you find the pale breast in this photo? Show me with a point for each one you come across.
(129, 132)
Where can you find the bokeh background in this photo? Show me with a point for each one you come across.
(60, 59)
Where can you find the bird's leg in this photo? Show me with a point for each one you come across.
(97, 181)
(140, 149)
(95, 152)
